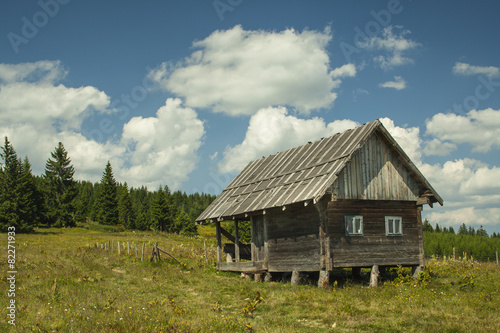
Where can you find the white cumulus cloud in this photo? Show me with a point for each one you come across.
(40, 71)
(395, 44)
(480, 128)
(464, 69)
(163, 148)
(438, 148)
(239, 71)
(468, 215)
(399, 83)
(37, 112)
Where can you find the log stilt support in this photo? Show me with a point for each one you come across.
(268, 277)
(295, 278)
(324, 279)
(374, 276)
(258, 277)
(415, 271)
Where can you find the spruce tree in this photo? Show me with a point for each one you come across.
(126, 210)
(161, 213)
(61, 190)
(9, 195)
(31, 206)
(184, 224)
(84, 201)
(109, 201)
(426, 226)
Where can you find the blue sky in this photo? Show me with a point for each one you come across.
(185, 93)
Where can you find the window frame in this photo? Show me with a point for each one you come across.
(394, 228)
(349, 219)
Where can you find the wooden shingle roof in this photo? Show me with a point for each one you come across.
(296, 175)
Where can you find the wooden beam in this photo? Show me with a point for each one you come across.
(425, 200)
(227, 234)
(420, 236)
(236, 242)
(243, 266)
(219, 242)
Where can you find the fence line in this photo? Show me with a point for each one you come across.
(155, 254)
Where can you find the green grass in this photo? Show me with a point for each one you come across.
(65, 284)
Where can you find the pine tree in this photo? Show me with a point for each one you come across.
(141, 199)
(481, 232)
(61, 189)
(184, 225)
(109, 201)
(462, 230)
(426, 226)
(126, 210)
(31, 207)
(161, 214)
(84, 201)
(9, 195)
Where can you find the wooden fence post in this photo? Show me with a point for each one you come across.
(205, 246)
(136, 250)
(118, 247)
(128, 248)
(143, 245)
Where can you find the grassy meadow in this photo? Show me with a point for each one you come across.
(65, 284)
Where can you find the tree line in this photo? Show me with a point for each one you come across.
(467, 241)
(55, 199)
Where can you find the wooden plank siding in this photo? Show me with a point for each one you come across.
(293, 239)
(375, 172)
(374, 247)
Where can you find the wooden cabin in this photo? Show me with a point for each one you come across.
(351, 200)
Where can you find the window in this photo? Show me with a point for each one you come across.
(393, 226)
(354, 225)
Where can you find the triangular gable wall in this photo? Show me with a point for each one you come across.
(376, 172)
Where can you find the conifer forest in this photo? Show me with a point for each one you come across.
(56, 199)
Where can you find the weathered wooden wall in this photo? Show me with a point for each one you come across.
(376, 172)
(293, 239)
(374, 247)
